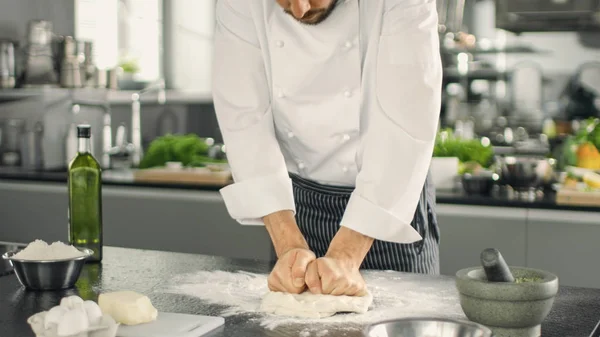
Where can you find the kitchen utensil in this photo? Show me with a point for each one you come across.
(31, 148)
(520, 172)
(48, 274)
(509, 309)
(120, 154)
(192, 176)
(174, 325)
(12, 130)
(478, 184)
(596, 331)
(100, 78)
(496, 269)
(419, 327)
(7, 64)
(39, 57)
(5, 247)
(112, 78)
(70, 76)
(85, 54)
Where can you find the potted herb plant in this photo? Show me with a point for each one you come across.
(453, 156)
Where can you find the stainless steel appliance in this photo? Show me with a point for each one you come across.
(7, 64)
(548, 15)
(32, 155)
(39, 58)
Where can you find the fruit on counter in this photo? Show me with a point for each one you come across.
(190, 150)
(73, 317)
(592, 180)
(128, 307)
(576, 148)
(588, 156)
(589, 132)
(571, 180)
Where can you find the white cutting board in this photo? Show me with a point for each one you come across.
(173, 325)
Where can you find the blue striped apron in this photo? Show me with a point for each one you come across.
(319, 211)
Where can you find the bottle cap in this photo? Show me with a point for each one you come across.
(84, 131)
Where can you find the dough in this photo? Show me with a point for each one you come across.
(311, 305)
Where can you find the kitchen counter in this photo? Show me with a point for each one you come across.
(453, 197)
(575, 313)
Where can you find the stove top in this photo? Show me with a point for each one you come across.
(5, 267)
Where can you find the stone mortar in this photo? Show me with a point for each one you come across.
(509, 309)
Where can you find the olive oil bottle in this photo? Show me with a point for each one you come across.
(85, 197)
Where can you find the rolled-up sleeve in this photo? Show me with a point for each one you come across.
(242, 102)
(399, 124)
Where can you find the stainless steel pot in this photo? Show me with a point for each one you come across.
(523, 173)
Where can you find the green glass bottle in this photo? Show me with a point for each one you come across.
(85, 197)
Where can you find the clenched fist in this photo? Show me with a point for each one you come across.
(332, 276)
(289, 271)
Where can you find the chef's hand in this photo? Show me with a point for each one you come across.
(289, 272)
(338, 272)
(293, 255)
(335, 276)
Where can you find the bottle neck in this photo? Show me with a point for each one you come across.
(84, 145)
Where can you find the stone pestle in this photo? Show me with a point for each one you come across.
(495, 267)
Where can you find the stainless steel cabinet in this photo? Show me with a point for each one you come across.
(467, 230)
(147, 218)
(565, 243)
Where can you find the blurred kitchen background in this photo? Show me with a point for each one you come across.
(515, 167)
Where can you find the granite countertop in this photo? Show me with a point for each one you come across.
(575, 312)
(452, 197)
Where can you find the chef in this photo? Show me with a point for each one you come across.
(329, 111)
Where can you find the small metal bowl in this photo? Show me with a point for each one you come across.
(48, 274)
(479, 184)
(431, 327)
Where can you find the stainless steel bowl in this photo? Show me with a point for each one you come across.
(5, 266)
(474, 184)
(427, 327)
(48, 274)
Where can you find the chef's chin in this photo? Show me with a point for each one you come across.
(316, 15)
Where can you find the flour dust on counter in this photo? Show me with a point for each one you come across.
(395, 295)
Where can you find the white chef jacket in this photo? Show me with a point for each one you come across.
(352, 101)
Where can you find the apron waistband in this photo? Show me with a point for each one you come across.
(320, 188)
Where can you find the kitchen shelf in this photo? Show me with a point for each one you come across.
(515, 49)
(115, 97)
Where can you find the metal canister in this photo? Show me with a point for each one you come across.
(7, 64)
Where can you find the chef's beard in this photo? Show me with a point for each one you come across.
(314, 19)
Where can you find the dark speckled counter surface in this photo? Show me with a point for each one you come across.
(575, 313)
